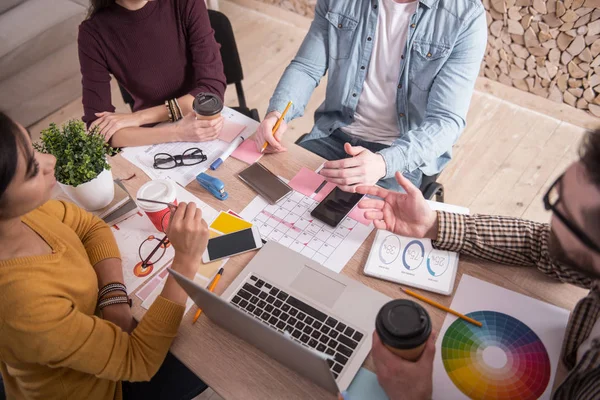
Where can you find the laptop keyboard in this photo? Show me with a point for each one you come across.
(304, 323)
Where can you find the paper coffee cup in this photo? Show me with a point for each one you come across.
(160, 190)
(403, 327)
(207, 106)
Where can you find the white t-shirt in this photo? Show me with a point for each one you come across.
(376, 116)
(585, 346)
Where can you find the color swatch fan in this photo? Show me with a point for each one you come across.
(512, 356)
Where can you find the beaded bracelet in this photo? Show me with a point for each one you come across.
(168, 105)
(112, 287)
(114, 300)
(177, 110)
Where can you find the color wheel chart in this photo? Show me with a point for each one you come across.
(514, 355)
(504, 359)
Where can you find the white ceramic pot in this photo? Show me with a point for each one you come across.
(93, 195)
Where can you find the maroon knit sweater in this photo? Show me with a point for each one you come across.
(162, 51)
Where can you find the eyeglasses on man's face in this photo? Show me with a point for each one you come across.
(551, 200)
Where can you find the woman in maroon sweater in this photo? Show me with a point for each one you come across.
(158, 51)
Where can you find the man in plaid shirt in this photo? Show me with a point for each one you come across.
(568, 249)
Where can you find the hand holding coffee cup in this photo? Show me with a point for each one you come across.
(203, 124)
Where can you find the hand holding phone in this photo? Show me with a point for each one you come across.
(232, 244)
(336, 206)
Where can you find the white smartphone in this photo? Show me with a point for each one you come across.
(232, 244)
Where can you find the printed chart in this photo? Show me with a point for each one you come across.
(289, 223)
(513, 355)
(413, 261)
(505, 356)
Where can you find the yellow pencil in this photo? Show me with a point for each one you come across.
(211, 289)
(441, 307)
(289, 104)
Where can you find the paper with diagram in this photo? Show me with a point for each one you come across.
(414, 262)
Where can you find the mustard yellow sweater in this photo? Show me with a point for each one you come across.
(52, 346)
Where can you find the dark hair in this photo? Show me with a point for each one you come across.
(590, 156)
(97, 5)
(11, 139)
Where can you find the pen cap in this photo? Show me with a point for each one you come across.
(216, 164)
(403, 327)
(207, 105)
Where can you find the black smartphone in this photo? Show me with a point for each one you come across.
(336, 206)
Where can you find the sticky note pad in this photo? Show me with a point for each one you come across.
(227, 223)
(230, 131)
(247, 152)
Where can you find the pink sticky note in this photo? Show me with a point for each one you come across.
(230, 131)
(358, 214)
(247, 152)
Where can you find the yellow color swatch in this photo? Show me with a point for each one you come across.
(226, 223)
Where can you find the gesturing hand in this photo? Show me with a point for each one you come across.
(363, 168)
(264, 133)
(110, 123)
(190, 129)
(402, 379)
(406, 214)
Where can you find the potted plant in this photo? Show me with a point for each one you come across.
(81, 167)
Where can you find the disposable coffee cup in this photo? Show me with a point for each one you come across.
(159, 190)
(207, 106)
(403, 327)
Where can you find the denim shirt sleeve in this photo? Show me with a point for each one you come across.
(307, 68)
(447, 105)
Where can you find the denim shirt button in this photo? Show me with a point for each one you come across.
(413, 25)
(340, 26)
(353, 94)
(428, 55)
(401, 115)
(375, 6)
(402, 56)
(369, 38)
(400, 86)
(362, 67)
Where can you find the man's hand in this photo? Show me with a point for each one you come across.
(364, 168)
(188, 233)
(110, 123)
(190, 129)
(264, 133)
(404, 214)
(402, 379)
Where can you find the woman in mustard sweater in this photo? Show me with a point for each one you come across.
(54, 258)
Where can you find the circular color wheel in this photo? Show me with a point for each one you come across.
(504, 359)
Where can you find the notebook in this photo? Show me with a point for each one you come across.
(414, 262)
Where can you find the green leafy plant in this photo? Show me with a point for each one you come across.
(80, 155)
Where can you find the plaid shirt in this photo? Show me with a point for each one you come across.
(518, 242)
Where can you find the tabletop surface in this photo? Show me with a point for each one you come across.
(236, 370)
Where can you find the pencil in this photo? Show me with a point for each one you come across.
(441, 307)
(211, 289)
(289, 104)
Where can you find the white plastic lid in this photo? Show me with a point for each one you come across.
(161, 190)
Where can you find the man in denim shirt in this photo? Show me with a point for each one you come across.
(401, 75)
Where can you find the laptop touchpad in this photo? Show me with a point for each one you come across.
(318, 287)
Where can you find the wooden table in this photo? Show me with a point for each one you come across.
(236, 370)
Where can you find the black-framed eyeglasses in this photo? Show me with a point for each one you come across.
(551, 200)
(191, 156)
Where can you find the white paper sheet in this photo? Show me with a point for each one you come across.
(289, 223)
(515, 353)
(143, 156)
(130, 233)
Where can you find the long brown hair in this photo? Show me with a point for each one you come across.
(97, 5)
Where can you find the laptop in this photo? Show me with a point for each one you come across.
(312, 320)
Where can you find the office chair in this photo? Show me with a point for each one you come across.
(232, 66)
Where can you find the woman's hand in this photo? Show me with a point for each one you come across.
(188, 233)
(110, 123)
(190, 129)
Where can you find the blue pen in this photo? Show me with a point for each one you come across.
(234, 145)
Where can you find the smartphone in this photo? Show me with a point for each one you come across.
(264, 182)
(232, 244)
(336, 206)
